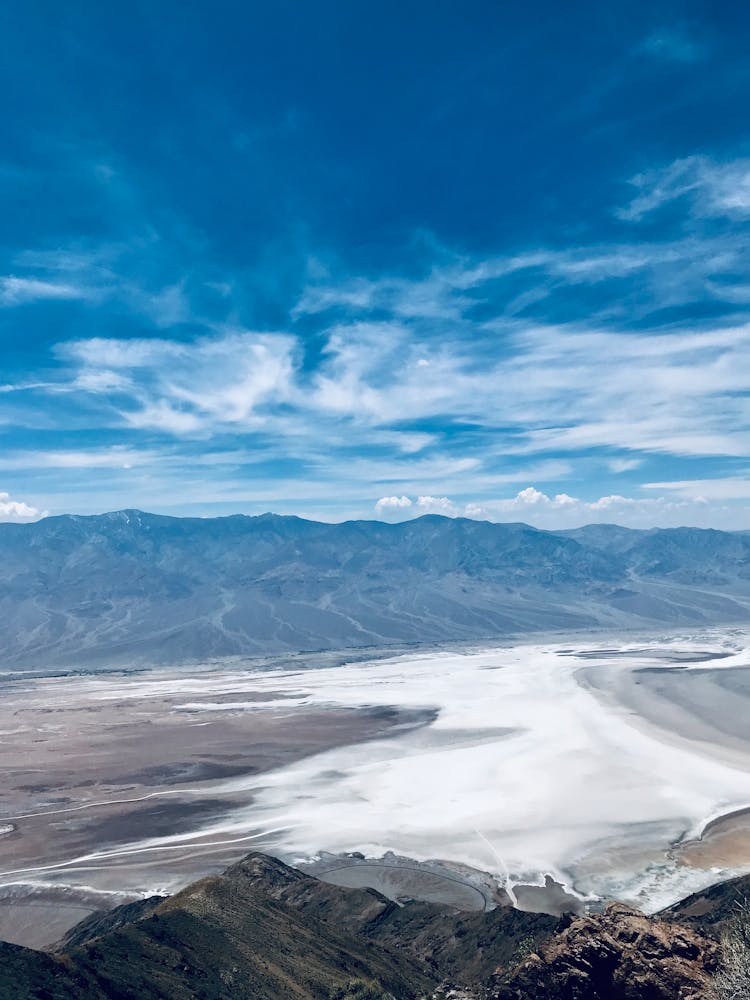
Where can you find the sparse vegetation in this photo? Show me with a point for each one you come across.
(733, 979)
(361, 989)
(525, 947)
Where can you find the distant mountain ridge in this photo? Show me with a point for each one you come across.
(131, 587)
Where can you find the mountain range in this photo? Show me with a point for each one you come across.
(135, 588)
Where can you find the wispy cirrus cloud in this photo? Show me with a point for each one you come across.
(712, 189)
(17, 291)
(621, 283)
(722, 488)
(133, 276)
(546, 366)
(409, 362)
(118, 456)
(558, 389)
(185, 387)
(553, 389)
(619, 465)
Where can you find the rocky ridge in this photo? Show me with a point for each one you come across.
(264, 931)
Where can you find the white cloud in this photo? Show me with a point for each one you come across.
(167, 307)
(562, 511)
(551, 389)
(94, 458)
(728, 488)
(619, 465)
(15, 291)
(436, 505)
(392, 507)
(103, 381)
(430, 388)
(714, 189)
(17, 511)
(421, 470)
(399, 508)
(112, 354)
(450, 291)
(407, 442)
(431, 362)
(162, 416)
(186, 388)
(561, 389)
(129, 273)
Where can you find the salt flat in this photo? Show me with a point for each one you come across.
(590, 768)
(596, 762)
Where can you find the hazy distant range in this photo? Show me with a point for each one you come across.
(135, 588)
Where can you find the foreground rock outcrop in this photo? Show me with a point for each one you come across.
(264, 931)
(617, 955)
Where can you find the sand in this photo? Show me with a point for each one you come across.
(724, 842)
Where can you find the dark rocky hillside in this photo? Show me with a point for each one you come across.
(617, 955)
(129, 587)
(712, 908)
(265, 931)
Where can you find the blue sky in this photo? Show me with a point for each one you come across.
(376, 260)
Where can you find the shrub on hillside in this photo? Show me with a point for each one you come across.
(361, 989)
(733, 980)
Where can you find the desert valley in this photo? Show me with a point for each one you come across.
(553, 774)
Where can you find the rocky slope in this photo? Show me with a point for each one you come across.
(265, 931)
(712, 908)
(131, 587)
(622, 955)
(616, 955)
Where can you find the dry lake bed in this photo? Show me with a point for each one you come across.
(550, 774)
